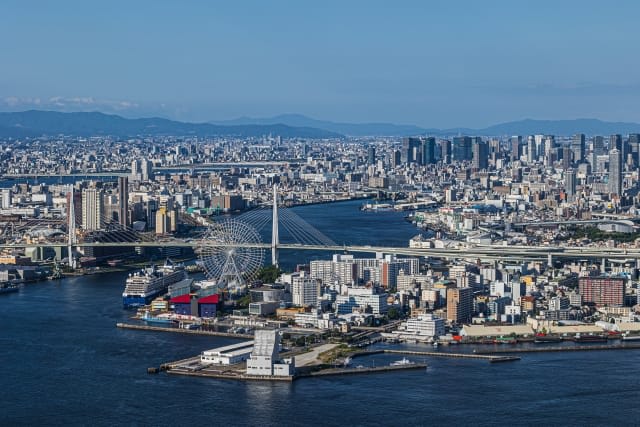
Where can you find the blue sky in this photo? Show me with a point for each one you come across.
(434, 64)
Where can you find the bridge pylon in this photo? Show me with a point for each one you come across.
(71, 225)
(275, 238)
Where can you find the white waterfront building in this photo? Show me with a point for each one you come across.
(265, 359)
(426, 325)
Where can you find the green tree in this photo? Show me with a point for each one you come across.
(393, 313)
(269, 273)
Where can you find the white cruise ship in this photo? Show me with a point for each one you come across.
(144, 285)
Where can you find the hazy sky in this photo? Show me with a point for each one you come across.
(435, 64)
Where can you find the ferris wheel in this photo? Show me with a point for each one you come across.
(230, 253)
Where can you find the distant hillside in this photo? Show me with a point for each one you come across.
(36, 123)
(520, 127)
(560, 127)
(350, 129)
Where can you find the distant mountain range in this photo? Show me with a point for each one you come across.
(36, 123)
(520, 127)
(351, 129)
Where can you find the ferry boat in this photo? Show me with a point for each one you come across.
(6, 287)
(142, 286)
(377, 207)
(402, 362)
(147, 317)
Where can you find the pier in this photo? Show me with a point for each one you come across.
(364, 370)
(182, 331)
(581, 347)
(491, 359)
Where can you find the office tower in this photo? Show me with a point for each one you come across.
(136, 174)
(615, 141)
(532, 155)
(462, 150)
(516, 144)
(615, 172)
(602, 290)
(304, 290)
(6, 198)
(92, 209)
(146, 170)
(459, 304)
(598, 145)
(428, 151)
(411, 150)
(480, 152)
(578, 148)
(634, 147)
(445, 151)
(570, 182)
(549, 143)
(396, 158)
(371, 155)
(567, 154)
(123, 200)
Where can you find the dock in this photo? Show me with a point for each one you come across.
(488, 357)
(364, 370)
(580, 347)
(182, 331)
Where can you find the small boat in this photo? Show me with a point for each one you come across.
(6, 287)
(152, 319)
(402, 362)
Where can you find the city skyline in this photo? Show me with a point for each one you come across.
(430, 65)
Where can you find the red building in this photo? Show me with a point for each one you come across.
(602, 290)
(208, 306)
(182, 304)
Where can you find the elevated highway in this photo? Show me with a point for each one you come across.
(493, 252)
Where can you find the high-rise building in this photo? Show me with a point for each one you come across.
(146, 169)
(598, 145)
(462, 148)
(6, 196)
(411, 150)
(123, 200)
(516, 148)
(480, 152)
(459, 304)
(532, 153)
(304, 290)
(615, 172)
(615, 141)
(136, 174)
(92, 206)
(634, 147)
(570, 182)
(602, 290)
(549, 142)
(578, 147)
(567, 155)
(445, 151)
(371, 155)
(428, 151)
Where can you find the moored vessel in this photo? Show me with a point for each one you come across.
(142, 286)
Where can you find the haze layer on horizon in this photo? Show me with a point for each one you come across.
(448, 64)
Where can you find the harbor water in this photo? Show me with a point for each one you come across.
(65, 363)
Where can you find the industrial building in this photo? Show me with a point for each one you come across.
(227, 355)
(265, 359)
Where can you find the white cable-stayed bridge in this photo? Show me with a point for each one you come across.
(291, 232)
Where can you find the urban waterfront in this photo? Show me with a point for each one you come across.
(65, 362)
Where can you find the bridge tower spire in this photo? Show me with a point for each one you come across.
(275, 239)
(71, 225)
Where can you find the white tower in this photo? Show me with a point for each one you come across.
(71, 226)
(274, 229)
